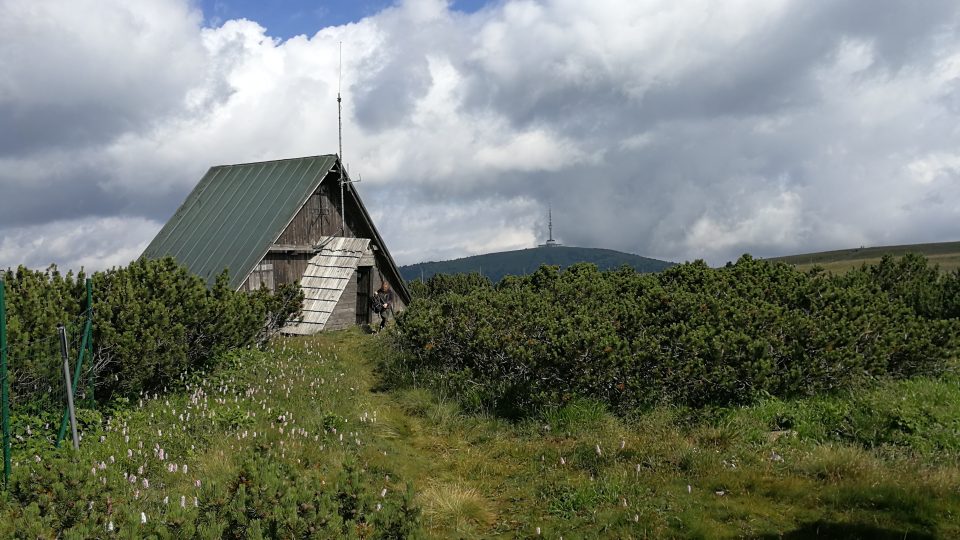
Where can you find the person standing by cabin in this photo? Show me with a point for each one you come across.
(383, 304)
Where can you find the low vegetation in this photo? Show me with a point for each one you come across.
(845, 421)
(688, 336)
(302, 439)
(271, 444)
(153, 321)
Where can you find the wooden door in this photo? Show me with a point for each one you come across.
(363, 294)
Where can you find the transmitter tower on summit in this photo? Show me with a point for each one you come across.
(550, 241)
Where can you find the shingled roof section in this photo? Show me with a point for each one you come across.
(324, 281)
(236, 211)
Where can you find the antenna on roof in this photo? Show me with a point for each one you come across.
(343, 208)
(343, 180)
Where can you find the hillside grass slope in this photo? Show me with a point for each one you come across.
(303, 439)
(944, 254)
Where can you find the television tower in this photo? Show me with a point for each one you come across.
(550, 241)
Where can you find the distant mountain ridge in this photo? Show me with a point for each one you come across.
(524, 261)
(944, 254)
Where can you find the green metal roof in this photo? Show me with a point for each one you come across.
(236, 211)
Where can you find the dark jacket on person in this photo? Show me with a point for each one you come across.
(380, 298)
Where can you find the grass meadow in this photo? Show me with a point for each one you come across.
(882, 462)
(946, 255)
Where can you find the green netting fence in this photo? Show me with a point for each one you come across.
(32, 373)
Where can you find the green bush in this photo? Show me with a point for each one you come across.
(691, 335)
(914, 281)
(440, 284)
(922, 415)
(153, 321)
(267, 498)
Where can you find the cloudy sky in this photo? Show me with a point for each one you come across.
(678, 129)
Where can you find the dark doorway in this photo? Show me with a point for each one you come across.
(363, 295)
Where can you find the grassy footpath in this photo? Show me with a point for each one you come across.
(302, 441)
(882, 464)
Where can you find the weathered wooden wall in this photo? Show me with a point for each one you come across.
(287, 268)
(320, 216)
(345, 314)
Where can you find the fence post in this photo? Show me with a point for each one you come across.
(5, 385)
(91, 378)
(66, 381)
(85, 342)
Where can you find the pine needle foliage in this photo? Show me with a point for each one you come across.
(691, 335)
(153, 321)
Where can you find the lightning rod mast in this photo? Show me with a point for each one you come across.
(343, 207)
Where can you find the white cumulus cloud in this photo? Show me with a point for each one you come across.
(677, 129)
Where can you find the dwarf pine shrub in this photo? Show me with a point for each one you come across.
(691, 335)
(153, 321)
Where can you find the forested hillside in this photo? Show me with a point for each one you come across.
(495, 266)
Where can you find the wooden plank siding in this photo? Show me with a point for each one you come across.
(287, 268)
(345, 314)
(319, 216)
(317, 219)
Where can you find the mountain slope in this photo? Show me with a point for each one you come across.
(945, 254)
(523, 261)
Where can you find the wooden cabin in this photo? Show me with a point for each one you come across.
(277, 222)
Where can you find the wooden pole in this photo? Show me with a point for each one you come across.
(66, 381)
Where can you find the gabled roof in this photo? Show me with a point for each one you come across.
(400, 284)
(236, 211)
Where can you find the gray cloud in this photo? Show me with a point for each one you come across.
(672, 129)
